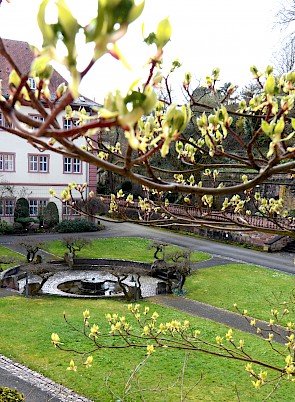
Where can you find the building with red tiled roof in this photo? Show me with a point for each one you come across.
(24, 171)
(22, 56)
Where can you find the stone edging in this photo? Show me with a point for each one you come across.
(38, 380)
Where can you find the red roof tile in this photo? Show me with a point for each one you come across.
(23, 56)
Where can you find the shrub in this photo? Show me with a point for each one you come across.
(102, 188)
(22, 213)
(50, 215)
(25, 222)
(17, 226)
(6, 228)
(10, 395)
(96, 207)
(76, 225)
(22, 209)
(126, 186)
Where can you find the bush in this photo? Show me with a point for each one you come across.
(10, 395)
(6, 228)
(25, 222)
(17, 227)
(76, 225)
(102, 188)
(22, 209)
(96, 207)
(126, 186)
(50, 215)
(22, 213)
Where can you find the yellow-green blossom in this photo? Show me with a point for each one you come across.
(72, 366)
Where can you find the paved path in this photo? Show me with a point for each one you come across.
(278, 261)
(34, 386)
(14, 375)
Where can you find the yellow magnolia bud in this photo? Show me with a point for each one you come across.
(72, 366)
(157, 78)
(88, 361)
(55, 339)
(270, 85)
(14, 79)
(150, 349)
(163, 33)
(255, 72)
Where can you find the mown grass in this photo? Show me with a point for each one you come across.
(27, 324)
(252, 288)
(7, 253)
(26, 337)
(137, 249)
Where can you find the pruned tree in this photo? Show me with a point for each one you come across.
(75, 243)
(173, 267)
(40, 269)
(159, 248)
(132, 289)
(32, 247)
(7, 261)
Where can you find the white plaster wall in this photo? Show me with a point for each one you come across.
(36, 185)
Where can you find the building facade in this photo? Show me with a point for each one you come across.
(24, 170)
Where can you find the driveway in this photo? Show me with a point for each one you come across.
(280, 261)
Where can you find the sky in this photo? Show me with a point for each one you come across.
(230, 34)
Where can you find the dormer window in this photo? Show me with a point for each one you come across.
(32, 84)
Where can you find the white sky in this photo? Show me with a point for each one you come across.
(229, 34)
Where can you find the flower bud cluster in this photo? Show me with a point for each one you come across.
(214, 129)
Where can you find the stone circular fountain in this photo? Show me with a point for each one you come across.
(93, 278)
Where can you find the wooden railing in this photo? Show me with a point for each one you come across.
(217, 216)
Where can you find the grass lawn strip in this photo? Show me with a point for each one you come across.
(33, 348)
(7, 253)
(247, 285)
(252, 288)
(136, 249)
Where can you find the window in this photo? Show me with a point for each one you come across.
(37, 117)
(7, 162)
(39, 163)
(4, 122)
(36, 206)
(6, 207)
(72, 165)
(69, 123)
(68, 210)
(32, 84)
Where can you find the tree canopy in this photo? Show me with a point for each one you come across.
(163, 146)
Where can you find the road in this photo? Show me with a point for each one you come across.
(280, 261)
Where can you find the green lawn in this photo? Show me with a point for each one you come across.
(247, 285)
(251, 287)
(26, 338)
(7, 253)
(121, 248)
